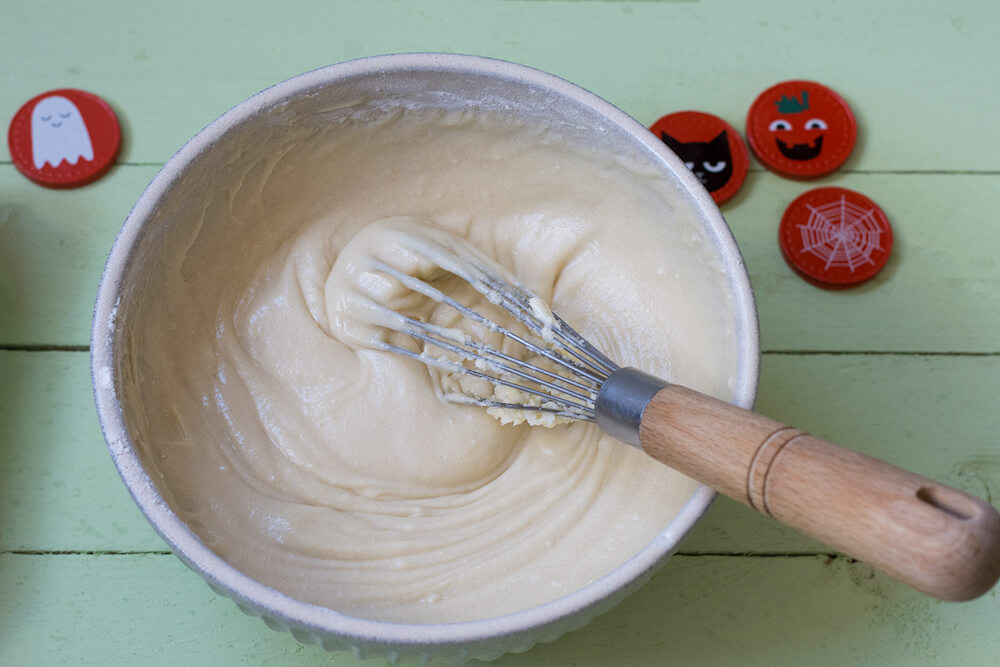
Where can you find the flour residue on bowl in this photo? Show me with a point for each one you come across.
(334, 473)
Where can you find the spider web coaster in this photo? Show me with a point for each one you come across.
(835, 237)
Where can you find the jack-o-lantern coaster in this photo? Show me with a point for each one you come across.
(64, 138)
(710, 148)
(801, 129)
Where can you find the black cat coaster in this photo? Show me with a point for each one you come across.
(835, 237)
(801, 129)
(710, 147)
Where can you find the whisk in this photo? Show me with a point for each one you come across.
(937, 539)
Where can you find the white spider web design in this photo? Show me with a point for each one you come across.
(842, 234)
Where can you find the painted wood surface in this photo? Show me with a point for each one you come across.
(148, 609)
(906, 368)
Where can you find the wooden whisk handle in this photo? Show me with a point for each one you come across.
(935, 538)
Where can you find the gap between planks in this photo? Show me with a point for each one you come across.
(755, 169)
(683, 554)
(785, 353)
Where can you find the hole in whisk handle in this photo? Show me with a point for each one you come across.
(949, 501)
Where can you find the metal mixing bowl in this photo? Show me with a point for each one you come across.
(378, 84)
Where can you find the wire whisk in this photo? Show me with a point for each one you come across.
(810, 484)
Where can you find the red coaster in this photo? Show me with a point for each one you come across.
(801, 129)
(64, 138)
(834, 237)
(710, 147)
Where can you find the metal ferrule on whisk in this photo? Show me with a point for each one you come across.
(622, 400)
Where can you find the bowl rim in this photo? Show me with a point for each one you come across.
(268, 601)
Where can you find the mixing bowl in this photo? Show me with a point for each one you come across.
(374, 86)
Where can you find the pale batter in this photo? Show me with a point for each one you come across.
(334, 473)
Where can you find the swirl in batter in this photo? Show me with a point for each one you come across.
(334, 473)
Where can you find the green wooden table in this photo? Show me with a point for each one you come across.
(906, 368)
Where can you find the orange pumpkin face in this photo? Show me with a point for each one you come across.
(801, 129)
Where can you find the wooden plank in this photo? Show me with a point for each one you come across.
(939, 293)
(151, 610)
(59, 489)
(938, 416)
(53, 246)
(913, 74)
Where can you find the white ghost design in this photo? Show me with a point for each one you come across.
(58, 133)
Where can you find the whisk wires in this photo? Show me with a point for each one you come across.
(567, 388)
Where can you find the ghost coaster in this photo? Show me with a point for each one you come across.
(709, 147)
(64, 138)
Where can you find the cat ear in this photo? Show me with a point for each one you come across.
(675, 146)
(721, 141)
